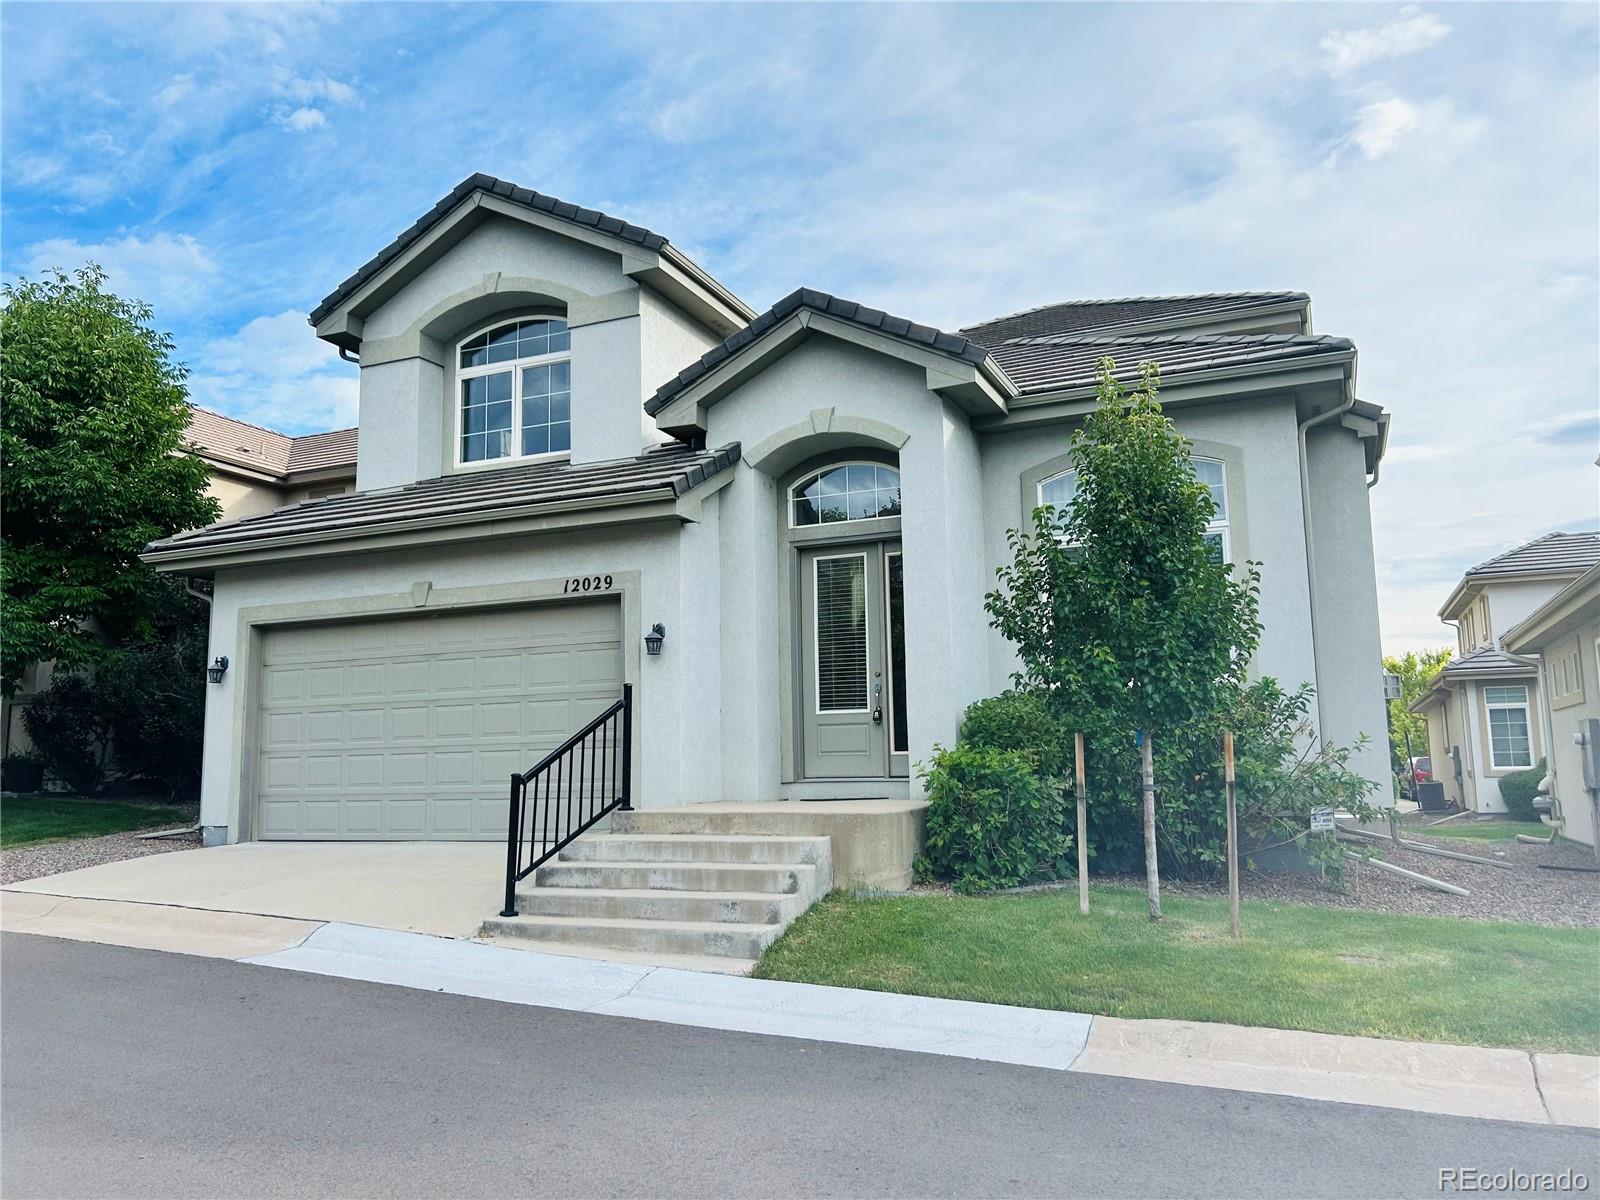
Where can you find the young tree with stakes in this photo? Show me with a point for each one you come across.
(1120, 610)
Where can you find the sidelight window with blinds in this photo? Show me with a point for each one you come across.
(841, 633)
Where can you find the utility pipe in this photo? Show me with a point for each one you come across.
(1426, 880)
(1333, 414)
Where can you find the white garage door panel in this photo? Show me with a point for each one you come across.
(411, 727)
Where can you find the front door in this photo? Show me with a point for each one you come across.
(852, 653)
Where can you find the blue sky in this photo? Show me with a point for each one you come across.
(1429, 174)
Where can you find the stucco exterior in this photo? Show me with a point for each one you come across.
(718, 710)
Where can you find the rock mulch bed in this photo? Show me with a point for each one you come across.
(1528, 893)
(51, 858)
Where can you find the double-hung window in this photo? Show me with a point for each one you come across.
(1510, 741)
(1059, 491)
(515, 392)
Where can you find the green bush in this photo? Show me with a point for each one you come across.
(71, 730)
(1020, 721)
(993, 820)
(1518, 789)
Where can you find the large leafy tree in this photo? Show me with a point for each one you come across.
(1120, 613)
(92, 467)
(1416, 669)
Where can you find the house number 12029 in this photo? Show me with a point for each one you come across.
(587, 583)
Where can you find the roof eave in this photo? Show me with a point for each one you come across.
(666, 270)
(1573, 606)
(980, 389)
(1187, 387)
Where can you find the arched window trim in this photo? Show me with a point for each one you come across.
(523, 372)
(797, 489)
(1217, 529)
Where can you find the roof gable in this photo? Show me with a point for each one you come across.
(806, 309)
(658, 262)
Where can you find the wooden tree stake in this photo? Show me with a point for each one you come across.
(1083, 823)
(1233, 837)
(1152, 876)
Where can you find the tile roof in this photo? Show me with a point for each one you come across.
(314, 451)
(232, 440)
(1488, 660)
(1554, 553)
(1085, 316)
(662, 473)
(1055, 363)
(537, 201)
(857, 314)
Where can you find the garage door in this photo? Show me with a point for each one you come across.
(410, 728)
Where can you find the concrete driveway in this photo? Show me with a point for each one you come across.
(442, 888)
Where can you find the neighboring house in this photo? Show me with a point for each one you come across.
(571, 433)
(1484, 709)
(1564, 634)
(253, 470)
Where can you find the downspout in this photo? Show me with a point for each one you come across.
(1311, 569)
(348, 357)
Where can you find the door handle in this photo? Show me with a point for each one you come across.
(877, 704)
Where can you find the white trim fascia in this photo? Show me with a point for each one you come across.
(1197, 387)
(637, 260)
(427, 531)
(1546, 621)
(962, 380)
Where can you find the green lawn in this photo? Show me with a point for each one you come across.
(30, 820)
(1298, 967)
(1467, 829)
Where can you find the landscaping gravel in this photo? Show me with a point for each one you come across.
(51, 858)
(1527, 893)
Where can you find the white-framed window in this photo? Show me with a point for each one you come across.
(1510, 736)
(857, 491)
(514, 392)
(1060, 490)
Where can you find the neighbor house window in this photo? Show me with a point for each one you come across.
(848, 492)
(1060, 491)
(1510, 744)
(515, 385)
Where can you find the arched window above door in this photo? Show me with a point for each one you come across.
(856, 491)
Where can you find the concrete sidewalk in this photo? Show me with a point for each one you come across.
(1559, 1089)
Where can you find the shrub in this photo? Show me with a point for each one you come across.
(1518, 789)
(71, 731)
(1020, 721)
(993, 820)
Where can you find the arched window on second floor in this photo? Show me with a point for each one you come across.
(514, 397)
(1059, 491)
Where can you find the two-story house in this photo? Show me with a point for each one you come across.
(584, 464)
(253, 470)
(1484, 709)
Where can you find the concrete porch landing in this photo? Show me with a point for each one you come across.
(875, 842)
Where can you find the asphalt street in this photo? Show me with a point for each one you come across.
(135, 1073)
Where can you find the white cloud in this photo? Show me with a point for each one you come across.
(275, 372)
(178, 88)
(170, 272)
(1380, 125)
(323, 88)
(303, 120)
(281, 346)
(1345, 50)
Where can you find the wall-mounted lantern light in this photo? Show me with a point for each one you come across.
(653, 639)
(218, 669)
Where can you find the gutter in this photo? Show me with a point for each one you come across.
(1305, 427)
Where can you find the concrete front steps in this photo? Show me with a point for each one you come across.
(703, 900)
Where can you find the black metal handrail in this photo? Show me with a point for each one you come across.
(568, 791)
